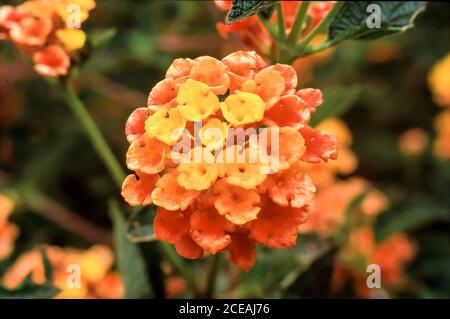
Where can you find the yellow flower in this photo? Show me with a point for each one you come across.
(243, 108)
(72, 39)
(166, 125)
(198, 174)
(213, 133)
(196, 101)
(439, 81)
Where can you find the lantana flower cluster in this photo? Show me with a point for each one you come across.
(8, 231)
(96, 279)
(390, 254)
(45, 30)
(210, 206)
(252, 32)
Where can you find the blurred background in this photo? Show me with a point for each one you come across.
(390, 191)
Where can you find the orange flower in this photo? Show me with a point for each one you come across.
(38, 28)
(442, 143)
(439, 81)
(329, 207)
(319, 145)
(287, 221)
(290, 188)
(242, 251)
(237, 204)
(253, 34)
(146, 155)
(413, 142)
(210, 230)
(52, 61)
(325, 174)
(390, 255)
(170, 195)
(137, 192)
(220, 180)
(135, 126)
(8, 232)
(96, 278)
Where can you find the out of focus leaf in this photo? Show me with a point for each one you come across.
(129, 258)
(100, 38)
(316, 280)
(351, 21)
(403, 218)
(244, 9)
(336, 101)
(29, 290)
(140, 226)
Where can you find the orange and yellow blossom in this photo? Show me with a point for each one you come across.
(330, 204)
(324, 175)
(229, 200)
(439, 81)
(252, 32)
(96, 278)
(45, 31)
(8, 232)
(362, 249)
(442, 143)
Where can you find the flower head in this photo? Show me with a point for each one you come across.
(44, 30)
(226, 172)
(96, 278)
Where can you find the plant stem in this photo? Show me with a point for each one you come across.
(321, 26)
(65, 218)
(98, 141)
(281, 30)
(180, 267)
(213, 271)
(296, 28)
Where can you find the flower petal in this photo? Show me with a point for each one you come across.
(137, 192)
(210, 230)
(146, 155)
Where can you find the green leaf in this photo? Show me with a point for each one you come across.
(244, 9)
(337, 101)
(409, 216)
(351, 21)
(29, 290)
(130, 261)
(140, 225)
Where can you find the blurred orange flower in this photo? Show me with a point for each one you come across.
(439, 81)
(442, 143)
(413, 142)
(391, 255)
(324, 175)
(252, 32)
(8, 232)
(228, 200)
(43, 30)
(96, 279)
(329, 207)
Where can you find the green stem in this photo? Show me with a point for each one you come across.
(321, 26)
(180, 267)
(297, 27)
(281, 30)
(212, 276)
(98, 141)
